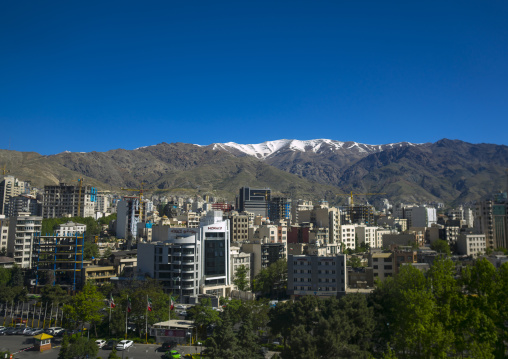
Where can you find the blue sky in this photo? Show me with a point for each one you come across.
(99, 75)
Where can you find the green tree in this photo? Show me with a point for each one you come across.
(203, 315)
(354, 262)
(107, 253)
(113, 354)
(441, 246)
(86, 305)
(241, 281)
(272, 281)
(247, 338)
(5, 276)
(54, 295)
(16, 276)
(224, 343)
(82, 347)
(64, 348)
(90, 250)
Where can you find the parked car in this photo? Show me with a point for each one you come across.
(100, 342)
(28, 331)
(124, 344)
(37, 331)
(168, 345)
(173, 354)
(181, 306)
(62, 333)
(54, 330)
(110, 345)
(19, 330)
(183, 313)
(10, 331)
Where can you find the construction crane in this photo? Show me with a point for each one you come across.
(351, 195)
(4, 170)
(140, 190)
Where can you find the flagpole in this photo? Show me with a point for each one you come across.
(33, 316)
(45, 311)
(50, 315)
(126, 313)
(146, 321)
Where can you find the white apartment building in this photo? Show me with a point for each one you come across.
(347, 236)
(367, 235)
(471, 244)
(420, 216)
(10, 187)
(238, 259)
(4, 232)
(379, 236)
(22, 230)
(70, 229)
(103, 203)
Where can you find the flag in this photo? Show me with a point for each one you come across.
(172, 303)
(149, 305)
(111, 301)
(129, 306)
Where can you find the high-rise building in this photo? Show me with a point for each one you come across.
(4, 233)
(191, 261)
(279, 208)
(24, 203)
(22, 230)
(254, 200)
(10, 187)
(127, 219)
(65, 201)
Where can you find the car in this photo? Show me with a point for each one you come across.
(168, 345)
(124, 344)
(19, 330)
(183, 313)
(28, 331)
(54, 330)
(10, 331)
(174, 354)
(110, 345)
(180, 306)
(100, 343)
(37, 331)
(62, 333)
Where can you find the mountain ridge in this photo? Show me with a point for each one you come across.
(450, 171)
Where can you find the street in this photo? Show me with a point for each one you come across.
(16, 343)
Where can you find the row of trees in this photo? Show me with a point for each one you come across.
(447, 312)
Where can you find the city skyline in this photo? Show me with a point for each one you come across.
(100, 76)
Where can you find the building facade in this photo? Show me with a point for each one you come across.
(322, 276)
(22, 230)
(68, 201)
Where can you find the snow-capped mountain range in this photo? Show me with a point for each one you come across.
(269, 148)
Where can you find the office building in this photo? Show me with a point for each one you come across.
(68, 201)
(254, 200)
(321, 276)
(191, 261)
